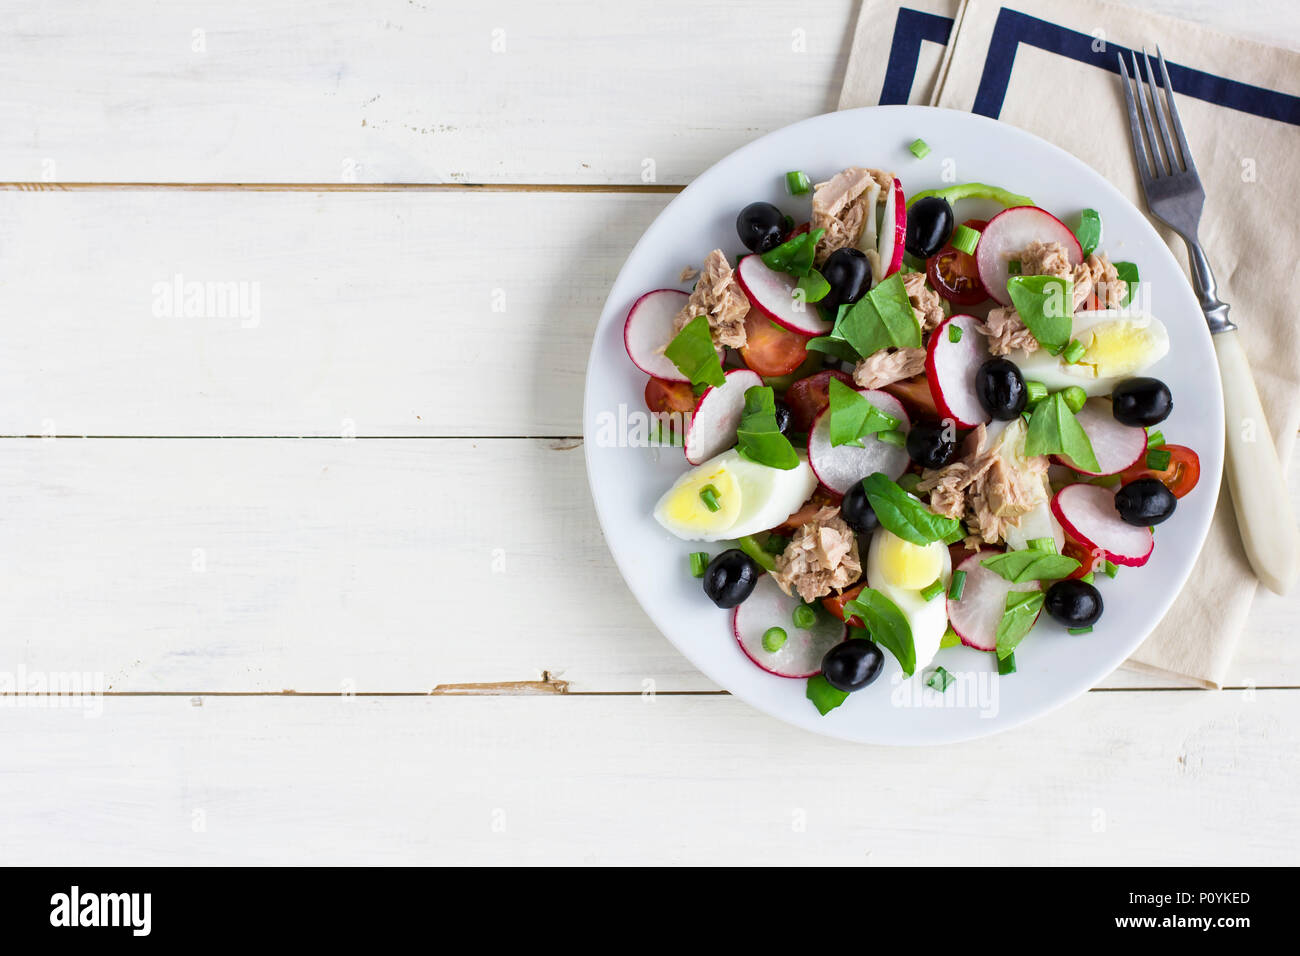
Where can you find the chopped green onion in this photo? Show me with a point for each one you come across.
(1158, 459)
(919, 148)
(1111, 569)
(709, 495)
(965, 239)
(1013, 267)
(1007, 665)
(1081, 630)
(797, 182)
(1074, 397)
(774, 639)
(1043, 544)
(1087, 578)
(699, 561)
(1156, 439)
(775, 543)
(1036, 391)
(1073, 352)
(932, 590)
(909, 481)
(954, 332)
(804, 617)
(749, 544)
(958, 585)
(939, 679)
(892, 438)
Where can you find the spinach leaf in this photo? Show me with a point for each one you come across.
(1021, 611)
(795, 255)
(760, 440)
(1089, 231)
(853, 416)
(692, 351)
(1128, 274)
(1030, 565)
(1053, 430)
(885, 624)
(824, 697)
(814, 286)
(908, 517)
(883, 318)
(833, 345)
(1045, 304)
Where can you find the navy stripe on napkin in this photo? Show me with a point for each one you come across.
(912, 27)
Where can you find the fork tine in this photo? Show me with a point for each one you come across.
(1135, 127)
(1156, 162)
(1160, 115)
(1173, 113)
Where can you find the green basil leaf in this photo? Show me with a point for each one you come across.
(1021, 611)
(824, 697)
(908, 517)
(1030, 565)
(1046, 305)
(885, 624)
(1053, 430)
(853, 416)
(1128, 274)
(883, 318)
(759, 438)
(814, 286)
(692, 351)
(1089, 231)
(795, 255)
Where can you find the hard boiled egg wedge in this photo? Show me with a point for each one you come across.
(1117, 345)
(750, 497)
(900, 570)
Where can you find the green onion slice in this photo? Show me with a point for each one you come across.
(965, 239)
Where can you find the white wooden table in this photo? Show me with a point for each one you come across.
(310, 546)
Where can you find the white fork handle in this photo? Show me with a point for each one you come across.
(1259, 493)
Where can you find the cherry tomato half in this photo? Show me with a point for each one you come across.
(954, 274)
(769, 349)
(1180, 477)
(835, 603)
(809, 396)
(916, 395)
(665, 396)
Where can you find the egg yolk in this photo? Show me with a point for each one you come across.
(686, 508)
(907, 565)
(1117, 348)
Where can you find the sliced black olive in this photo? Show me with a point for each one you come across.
(931, 446)
(929, 226)
(852, 665)
(1141, 401)
(761, 226)
(730, 577)
(783, 417)
(1074, 603)
(849, 273)
(857, 512)
(1001, 389)
(1145, 502)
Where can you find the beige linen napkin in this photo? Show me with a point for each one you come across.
(1036, 64)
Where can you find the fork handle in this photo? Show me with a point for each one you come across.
(1259, 492)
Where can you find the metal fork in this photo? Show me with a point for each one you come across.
(1175, 196)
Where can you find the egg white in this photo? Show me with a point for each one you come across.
(1056, 374)
(767, 496)
(927, 619)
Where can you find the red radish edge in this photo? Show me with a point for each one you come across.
(838, 467)
(1087, 513)
(950, 368)
(714, 423)
(772, 293)
(801, 655)
(1008, 233)
(649, 328)
(976, 616)
(896, 233)
(1116, 445)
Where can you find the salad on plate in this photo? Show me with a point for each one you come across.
(906, 431)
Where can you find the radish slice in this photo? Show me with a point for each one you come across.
(1006, 236)
(717, 416)
(893, 232)
(951, 366)
(801, 654)
(838, 467)
(1116, 446)
(1087, 513)
(772, 293)
(976, 616)
(649, 329)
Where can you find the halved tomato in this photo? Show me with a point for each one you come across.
(835, 603)
(954, 274)
(915, 393)
(1180, 477)
(664, 396)
(769, 349)
(809, 396)
(819, 500)
(1089, 560)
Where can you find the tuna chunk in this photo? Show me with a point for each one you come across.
(1105, 282)
(1006, 332)
(888, 366)
(820, 558)
(1045, 259)
(840, 206)
(926, 303)
(718, 296)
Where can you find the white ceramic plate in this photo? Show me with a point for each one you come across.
(626, 481)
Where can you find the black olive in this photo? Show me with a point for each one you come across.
(1141, 401)
(761, 226)
(1145, 502)
(931, 446)
(849, 273)
(783, 417)
(857, 512)
(1074, 603)
(1001, 389)
(929, 226)
(730, 577)
(852, 665)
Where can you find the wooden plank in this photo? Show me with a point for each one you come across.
(188, 565)
(1149, 778)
